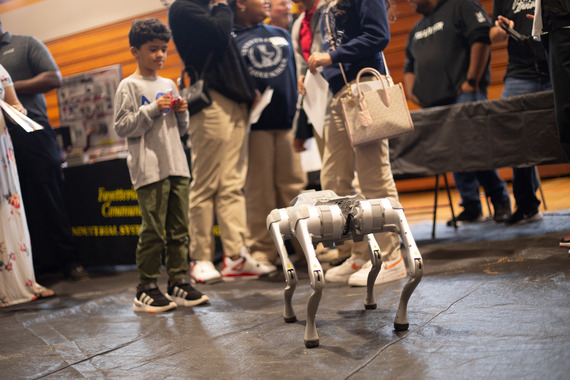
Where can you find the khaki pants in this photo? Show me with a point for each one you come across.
(274, 178)
(219, 165)
(164, 227)
(372, 165)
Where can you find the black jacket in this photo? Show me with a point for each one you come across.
(555, 14)
(198, 30)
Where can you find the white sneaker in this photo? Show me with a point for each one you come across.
(342, 272)
(326, 255)
(244, 267)
(390, 271)
(204, 271)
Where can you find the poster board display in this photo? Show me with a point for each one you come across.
(85, 104)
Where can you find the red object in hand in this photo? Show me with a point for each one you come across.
(174, 100)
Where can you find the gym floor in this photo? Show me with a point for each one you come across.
(493, 303)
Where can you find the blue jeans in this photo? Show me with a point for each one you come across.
(525, 180)
(518, 86)
(467, 183)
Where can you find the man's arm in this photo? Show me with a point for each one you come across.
(41, 83)
(409, 79)
(477, 63)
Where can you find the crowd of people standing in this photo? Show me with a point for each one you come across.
(240, 171)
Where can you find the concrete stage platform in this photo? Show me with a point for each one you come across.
(494, 303)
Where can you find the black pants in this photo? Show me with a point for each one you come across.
(557, 45)
(41, 182)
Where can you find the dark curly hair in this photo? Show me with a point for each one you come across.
(148, 29)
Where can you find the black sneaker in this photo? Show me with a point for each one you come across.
(468, 215)
(77, 273)
(150, 299)
(565, 241)
(502, 211)
(184, 294)
(520, 217)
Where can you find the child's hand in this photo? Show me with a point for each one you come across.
(164, 102)
(180, 105)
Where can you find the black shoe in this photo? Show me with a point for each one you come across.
(502, 211)
(184, 294)
(150, 299)
(468, 215)
(78, 273)
(520, 217)
(565, 241)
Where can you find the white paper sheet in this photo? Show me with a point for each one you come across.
(311, 158)
(19, 118)
(264, 100)
(316, 100)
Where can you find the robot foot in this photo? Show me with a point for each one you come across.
(312, 343)
(401, 326)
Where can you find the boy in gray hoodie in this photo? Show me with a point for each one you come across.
(152, 116)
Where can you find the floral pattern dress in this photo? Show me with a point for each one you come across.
(17, 279)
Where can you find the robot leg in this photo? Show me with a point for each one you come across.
(316, 275)
(276, 220)
(415, 266)
(376, 261)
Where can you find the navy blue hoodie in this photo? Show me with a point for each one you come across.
(361, 33)
(268, 53)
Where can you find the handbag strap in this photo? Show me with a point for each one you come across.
(333, 45)
(388, 76)
(206, 63)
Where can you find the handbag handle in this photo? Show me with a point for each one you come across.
(376, 73)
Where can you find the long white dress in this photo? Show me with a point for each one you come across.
(17, 279)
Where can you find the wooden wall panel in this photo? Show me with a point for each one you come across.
(100, 47)
(108, 45)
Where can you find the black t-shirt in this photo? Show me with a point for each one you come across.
(526, 60)
(439, 48)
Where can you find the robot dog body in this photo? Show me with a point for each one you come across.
(323, 216)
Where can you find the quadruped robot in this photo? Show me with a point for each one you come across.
(323, 216)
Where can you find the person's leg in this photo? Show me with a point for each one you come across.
(179, 289)
(153, 203)
(209, 132)
(40, 174)
(525, 181)
(525, 185)
(376, 181)
(176, 228)
(337, 172)
(496, 189)
(466, 183)
(558, 53)
(468, 188)
(260, 194)
(233, 161)
(290, 180)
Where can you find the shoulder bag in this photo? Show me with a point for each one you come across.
(196, 94)
(378, 112)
